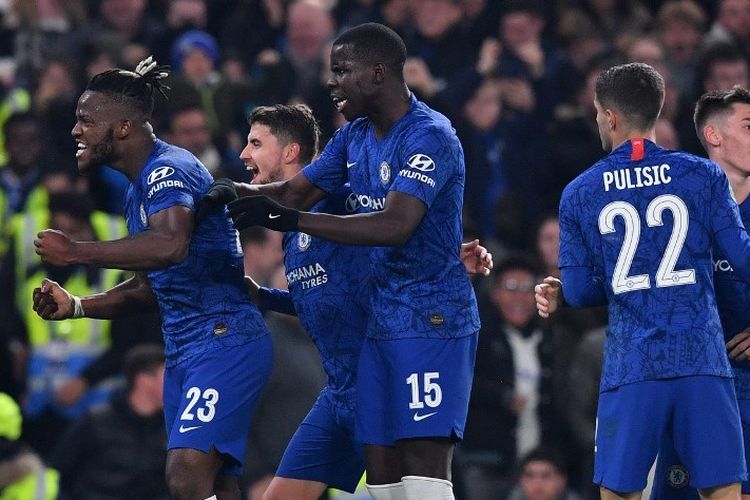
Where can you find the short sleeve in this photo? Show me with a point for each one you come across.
(167, 186)
(328, 172)
(429, 158)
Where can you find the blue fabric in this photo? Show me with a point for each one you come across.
(412, 388)
(330, 287)
(421, 288)
(324, 448)
(209, 401)
(203, 300)
(698, 415)
(624, 220)
(275, 300)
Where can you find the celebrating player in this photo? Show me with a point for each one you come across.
(405, 167)
(636, 231)
(218, 350)
(329, 290)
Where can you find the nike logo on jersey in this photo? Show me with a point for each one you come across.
(418, 417)
(272, 216)
(184, 429)
(350, 164)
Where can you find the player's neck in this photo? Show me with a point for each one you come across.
(618, 139)
(740, 184)
(392, 107)
(135, 156)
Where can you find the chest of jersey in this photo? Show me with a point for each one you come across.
(371, 167)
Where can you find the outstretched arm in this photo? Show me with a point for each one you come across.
(297, 192)
(165, 243)
(53, 302)
(392, 226)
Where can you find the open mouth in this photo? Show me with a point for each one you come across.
(339, 102)
(254, 171)
(81, 148)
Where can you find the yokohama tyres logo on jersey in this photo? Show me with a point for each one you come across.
(354, 201)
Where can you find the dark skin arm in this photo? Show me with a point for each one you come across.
(53, 302)
(298, 192)
(165, 243)
(392, 226)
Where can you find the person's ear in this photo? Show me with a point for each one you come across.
(291, 152)
(611, 119)
(123, 129)
(712, 135)
(378, 73)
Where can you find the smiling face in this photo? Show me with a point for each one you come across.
(351, 82)
(263, 155)
(94, 131)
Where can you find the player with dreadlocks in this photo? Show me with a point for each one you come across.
(218, 350)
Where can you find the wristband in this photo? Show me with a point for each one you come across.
(78, 311)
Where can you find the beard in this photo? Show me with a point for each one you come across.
(103, 152)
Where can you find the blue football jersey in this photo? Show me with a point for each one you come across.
(421, 288)
(733, 298)
(644, 219)
(329, 284)
(203, 300)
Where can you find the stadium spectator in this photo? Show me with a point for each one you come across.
(513, 384)
(20, 179)
(542, 476)
(584, 376)
(437, 47)
(22, 473)
(188, 128)
(680, 26)
(58, 353)
(732, 25)
(118, 450)
(129, 19)
(720, 67)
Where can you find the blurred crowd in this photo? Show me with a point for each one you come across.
(516, 79)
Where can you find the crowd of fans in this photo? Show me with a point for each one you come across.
(516, 79)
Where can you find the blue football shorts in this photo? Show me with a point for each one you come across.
(209, 399)
(698, 413)
(324, 448)
(414, 387)
(672, 478)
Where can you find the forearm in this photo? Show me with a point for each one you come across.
(276, 300)
(141, 252)
(133, 295)
(581, 288)
(278, 191)
(371, 229)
